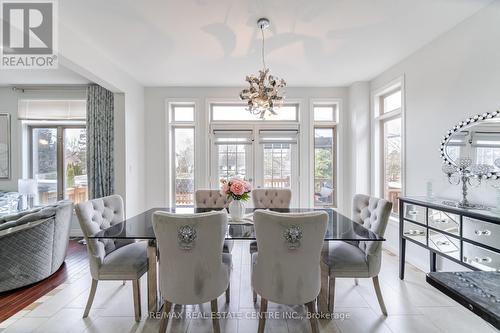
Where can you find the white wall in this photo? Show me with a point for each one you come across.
(88, 61)
(8, 104)
(156, 125)
(455, 76)
(359, 134)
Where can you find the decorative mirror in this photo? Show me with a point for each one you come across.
(471, 153)
(4, 146)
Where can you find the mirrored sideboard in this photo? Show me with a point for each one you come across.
(469, 237)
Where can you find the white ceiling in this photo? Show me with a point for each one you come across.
(216, 43)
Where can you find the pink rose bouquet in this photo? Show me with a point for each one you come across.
(235, 188)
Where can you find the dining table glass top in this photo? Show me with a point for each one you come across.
(140, 226)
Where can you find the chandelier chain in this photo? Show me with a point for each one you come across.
(263, 50)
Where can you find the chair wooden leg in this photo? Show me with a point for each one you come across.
(376, 285)
(254, 296)
(262, 315)
(164, 316)
(228, 293)
(356, 281)
(323, 294)
(215, 320)
(137, 299)
(93, 289)
(311, 307)
(331, 296)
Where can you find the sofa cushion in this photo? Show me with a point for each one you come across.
(29, 217)
(40, 215)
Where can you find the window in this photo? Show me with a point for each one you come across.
(182, 154)
(325, 112)
(264, 152)
(238, 112)
(392, 161)
(277, 165)
(232, 161)
(391, 101)
(58, 161)
(389, 126)
(181, 113)
(325, 154)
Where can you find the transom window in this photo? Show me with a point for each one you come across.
(239, 112)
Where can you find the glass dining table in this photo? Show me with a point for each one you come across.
(140, 227)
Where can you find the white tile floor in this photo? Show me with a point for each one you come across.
(412, 304)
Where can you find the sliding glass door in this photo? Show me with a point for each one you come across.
(58, 162)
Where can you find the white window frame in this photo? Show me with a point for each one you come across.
(339, 169)
(328, 125)
(172, 125)
(257, 150)
(378, 120)
(27, 147)
(213, 103)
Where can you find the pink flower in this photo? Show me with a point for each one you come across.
(237, 187)
(248, 187)
(224, 189)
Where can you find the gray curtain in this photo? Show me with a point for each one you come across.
(100, 134)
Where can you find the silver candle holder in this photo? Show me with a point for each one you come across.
(469, 175)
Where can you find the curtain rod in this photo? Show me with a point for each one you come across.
(24, 89)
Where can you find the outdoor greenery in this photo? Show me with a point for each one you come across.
(323, 165)
(184, 165)
(75, 154)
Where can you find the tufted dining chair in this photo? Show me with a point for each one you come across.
(193, 269)
(271, 198)
(286, 270)
(213, 199)
(266, 198)
(210, 199)
(111, 259)
(360, 259)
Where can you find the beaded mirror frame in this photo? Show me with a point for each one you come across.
(469, 122)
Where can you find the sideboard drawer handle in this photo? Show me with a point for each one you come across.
(482, 232)
(480, 260)
(414, 232)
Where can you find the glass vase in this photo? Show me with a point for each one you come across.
(236, 210)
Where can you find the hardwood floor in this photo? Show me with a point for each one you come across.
(15, 300)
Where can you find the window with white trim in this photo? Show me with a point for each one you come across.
(325, 154)
(57, 148)
(262, 151)
(389, 127)
(239, 112)
(182, 154)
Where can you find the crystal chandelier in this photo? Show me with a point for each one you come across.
(264, 94)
